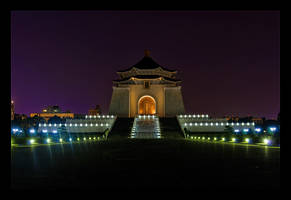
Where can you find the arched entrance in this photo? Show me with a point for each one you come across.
(146, 105)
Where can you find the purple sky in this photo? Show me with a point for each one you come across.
(229, 61)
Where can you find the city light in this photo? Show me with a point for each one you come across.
(55, 131)
(266, 141)
(236, 130)
(273, 129)
(258, 130)
(44, 131)
(32, 131)
(246, 130)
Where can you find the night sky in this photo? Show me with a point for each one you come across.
(228, 61)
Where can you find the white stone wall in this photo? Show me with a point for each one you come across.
(206, 124)
(120, 102)
(90, 125)
(174, 103)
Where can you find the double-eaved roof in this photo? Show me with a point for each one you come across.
(147, 77)
(147, 63)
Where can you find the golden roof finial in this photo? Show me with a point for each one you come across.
(147, 53)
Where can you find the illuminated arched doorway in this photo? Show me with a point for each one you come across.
(146, 105)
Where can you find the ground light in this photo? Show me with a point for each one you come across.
(89, 138)
(223, 139)
(31, 141)
(70, 139)
(61, 140)
(247, 140)
(215, 138)
(209, 138)
(198, 138)
(266, 141)
(48, 140)
(78, 139)
(84, 138)
(258, 130)
(203, 138)
(233, 139)
(191, 137)
(94, 138)
(32, 131)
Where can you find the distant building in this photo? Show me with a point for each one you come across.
(258, 120)
(20, 117)
(232, 118)
(12, 110)
(95, 111)
(52, 111)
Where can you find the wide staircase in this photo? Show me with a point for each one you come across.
(121, 128)
(170, 128)
(146, 127)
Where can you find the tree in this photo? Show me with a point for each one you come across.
(55, 120)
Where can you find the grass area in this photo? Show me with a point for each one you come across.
(138, 164)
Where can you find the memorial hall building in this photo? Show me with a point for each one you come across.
(147, 88)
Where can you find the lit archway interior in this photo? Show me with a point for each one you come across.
(146, 106)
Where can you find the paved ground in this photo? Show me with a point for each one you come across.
(142, 164)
